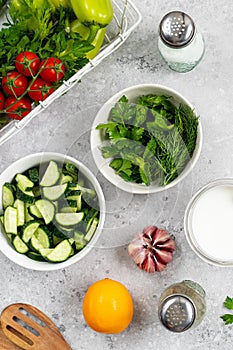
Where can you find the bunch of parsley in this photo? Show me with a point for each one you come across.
(150, 141)
(44, 31)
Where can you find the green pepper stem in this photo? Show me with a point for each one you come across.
(94, 28)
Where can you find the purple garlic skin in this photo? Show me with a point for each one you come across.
(152, 249)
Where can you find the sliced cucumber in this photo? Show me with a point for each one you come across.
(28, 217)
(77, 187)
(65, 178)
(90, 217)
(72, 170)
(19, 245)
(92, 229)
(20, 206)
(46, 208)
(54, 192)
(24, 183)
(33, 174)
(7, 195)
(29, 208)
(10, 220)
(34, 211)
(69, 219)
(45, 251)
(40, 239)
(36, 191)
(61, 252)
(35, 256)
(79, 239)
(51, 175)
(25, 196)
(28, 230)
(68, 209)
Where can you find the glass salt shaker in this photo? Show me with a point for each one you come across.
(182, 306)
(180, 43)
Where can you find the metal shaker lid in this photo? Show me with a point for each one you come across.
(177, 313)
(176, 29)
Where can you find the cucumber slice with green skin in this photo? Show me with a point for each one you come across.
(19, 245)
(78, 199)
(69, 219)
(36, 191)
(25, 196)
(45, 251)
(78, 187)
(40, 240)
(54, 192)
(7, 195)
(34, 211)
(68, 209)
(2, 219)
(72, 170)
(10, 220)
(28, 230)
(66, 178)
(46, 208)
(92, 229)
(20, 206)
(90, 217)
(79, 239)
(35, 256)
(61, 252)
(33, 174)
(51, 175)
(24, 183)
(28, 217)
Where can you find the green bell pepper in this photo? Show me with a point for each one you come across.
(84, 31)
(94, 14)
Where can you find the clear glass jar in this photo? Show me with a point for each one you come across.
(182, 306)
(180, 43)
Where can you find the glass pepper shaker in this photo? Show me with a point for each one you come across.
(182, 306)
(180, 43)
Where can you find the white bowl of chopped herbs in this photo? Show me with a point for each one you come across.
(52, 211)
(146, 138)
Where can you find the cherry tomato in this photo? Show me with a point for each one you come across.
(53, 69)
(2, 101)
(40, 89)
(14, 83)
(27, 63)
(17, 109)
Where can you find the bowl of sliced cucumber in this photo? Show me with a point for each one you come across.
(52, 211)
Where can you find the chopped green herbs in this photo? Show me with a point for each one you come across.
(151, 140)
(228, 318)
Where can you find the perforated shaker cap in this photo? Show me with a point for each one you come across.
(176, 29)
(177, 313)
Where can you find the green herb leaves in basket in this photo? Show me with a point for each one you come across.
(151, 140)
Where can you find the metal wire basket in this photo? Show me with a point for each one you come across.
(126, 19)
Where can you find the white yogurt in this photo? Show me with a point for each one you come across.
(210, 222)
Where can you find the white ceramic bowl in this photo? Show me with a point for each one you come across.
(22, 165)
(132, 93)
(208, 222)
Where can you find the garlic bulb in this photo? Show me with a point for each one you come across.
(152, 249)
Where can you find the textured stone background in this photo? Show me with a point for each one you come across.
(65, 127)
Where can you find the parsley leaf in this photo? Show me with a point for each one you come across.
(228, 318)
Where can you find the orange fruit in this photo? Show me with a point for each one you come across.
(108, 306)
